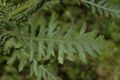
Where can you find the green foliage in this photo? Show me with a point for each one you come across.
(103, 7)
(31, 36)
(39, 46)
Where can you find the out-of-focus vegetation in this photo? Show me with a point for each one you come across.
(105, 67)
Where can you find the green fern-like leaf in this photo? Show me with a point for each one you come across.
(65, 43)
(103, 7)
(35, 43)
(42, 72)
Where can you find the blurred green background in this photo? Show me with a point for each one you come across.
(104, 67)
